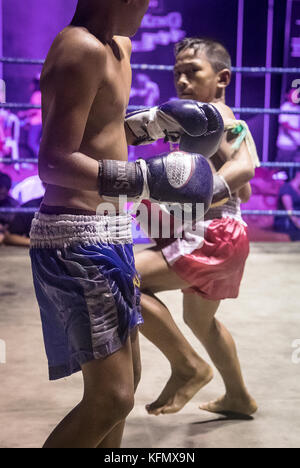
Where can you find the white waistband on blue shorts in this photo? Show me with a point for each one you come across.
(59, 231)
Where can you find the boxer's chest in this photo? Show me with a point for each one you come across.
(113, 96)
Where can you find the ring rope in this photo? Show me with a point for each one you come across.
(169, 68)
(18, 106)
(238, 110)
(281, 213)
(19, 161)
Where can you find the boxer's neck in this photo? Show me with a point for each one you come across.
(220, 97)
(97, 19)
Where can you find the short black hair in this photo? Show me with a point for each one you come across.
(5, 181)
(216, 53)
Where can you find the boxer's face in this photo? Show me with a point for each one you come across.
(195, 78)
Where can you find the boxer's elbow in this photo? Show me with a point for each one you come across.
(50, 168)
(247, 175)
(42, 170)
(250, 173)
(237, 178)
(247, 172)
(244, 164)
(245, 193)
(45, 171)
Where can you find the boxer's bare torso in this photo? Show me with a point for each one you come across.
(104, 135)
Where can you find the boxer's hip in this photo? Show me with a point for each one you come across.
(66, 230)
(212, 265)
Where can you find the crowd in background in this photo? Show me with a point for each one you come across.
(288, 141)
(20, 133)
(15, 227)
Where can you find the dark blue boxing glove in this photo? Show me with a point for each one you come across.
(176, 178)
(208, 143)
(173, 120)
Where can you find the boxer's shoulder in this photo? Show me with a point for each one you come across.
(225, 152)
(225, 111)
(75, 47)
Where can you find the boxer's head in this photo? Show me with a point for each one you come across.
(202, 69)
(121, 17)
(132, 13)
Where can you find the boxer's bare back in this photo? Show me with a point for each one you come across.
(101, 135)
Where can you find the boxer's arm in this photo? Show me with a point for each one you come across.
(245, 193)
(76, 82)
(126, 44)
(17, 240)
(238, 168)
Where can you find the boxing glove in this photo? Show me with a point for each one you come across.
(209, 143)
(174, 119)
(176, 178)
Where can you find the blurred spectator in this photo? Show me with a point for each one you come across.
(289, 199)
(12, 137)
(3, 116)
(9, 135)
(9, 130)
(29, 189)
(6, 202)
(33, 117)
(265, 191)
(18, 231)
(288, 141)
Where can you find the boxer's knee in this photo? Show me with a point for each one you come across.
(199, 315)
(111, 408)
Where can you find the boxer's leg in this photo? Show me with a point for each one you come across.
(114, 439)
(189, 372)
(107, 401)
(199, 315)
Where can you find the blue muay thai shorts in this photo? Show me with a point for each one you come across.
(86, 286)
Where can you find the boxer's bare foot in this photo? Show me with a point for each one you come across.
(243, 406)
(180, 389)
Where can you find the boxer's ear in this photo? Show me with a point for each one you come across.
(224, 78)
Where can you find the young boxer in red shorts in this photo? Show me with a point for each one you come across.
(208, 269)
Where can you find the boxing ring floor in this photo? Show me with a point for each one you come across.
(265, 321)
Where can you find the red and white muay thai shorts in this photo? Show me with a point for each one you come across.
(212, 263)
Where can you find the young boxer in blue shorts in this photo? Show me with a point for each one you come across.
(82, 258)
